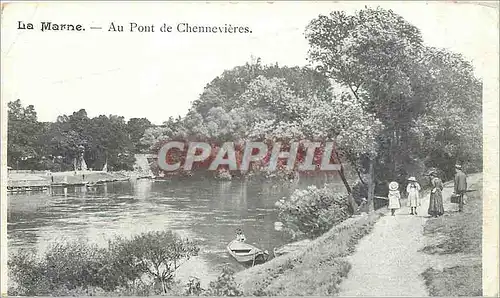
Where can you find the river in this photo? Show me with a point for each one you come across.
(206, 211)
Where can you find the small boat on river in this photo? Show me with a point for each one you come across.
(246, 253)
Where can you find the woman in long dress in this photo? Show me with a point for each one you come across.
(413, 190)
(436, 199)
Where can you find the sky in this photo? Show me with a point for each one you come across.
(157, 75)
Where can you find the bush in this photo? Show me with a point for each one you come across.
(223, 175)
(65, 267)
(143, 265)
(311, 212)
(359, 191)
(225, 285)
(27, 272)
(155, 254)
(193, 287)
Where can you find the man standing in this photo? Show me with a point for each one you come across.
(460, 186)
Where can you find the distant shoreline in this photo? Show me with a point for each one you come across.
(36, 180)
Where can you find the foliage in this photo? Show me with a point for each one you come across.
(64, 266)
(53, 146)
(224, 175)
(268, 106)
(143, 264)
(311, 212)
(420, 94)
(136, 128)
(225, 285)
(23, 134)
(193, 288)
(28, 273)
(462, 280)
(156, 254)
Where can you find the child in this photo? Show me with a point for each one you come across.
(394, 197)
(413, 190)
(239, 235)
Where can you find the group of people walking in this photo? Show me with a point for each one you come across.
(436, 196)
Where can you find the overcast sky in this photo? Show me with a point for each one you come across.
(157, 75)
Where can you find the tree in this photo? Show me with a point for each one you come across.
(225, 285)
(381, 59)
(157, 254)
(22, 134)
(136, 128)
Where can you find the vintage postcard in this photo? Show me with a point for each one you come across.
(249, 148)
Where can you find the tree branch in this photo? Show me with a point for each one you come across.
(354, 92)
(357, 87)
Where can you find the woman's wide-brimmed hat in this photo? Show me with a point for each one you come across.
(393, 185)
(412, 179)
(458, 166)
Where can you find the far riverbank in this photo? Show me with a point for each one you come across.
(33, 180)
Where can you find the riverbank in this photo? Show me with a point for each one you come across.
(303, 272)
(455, 241)
(394, 252)
(21, 181)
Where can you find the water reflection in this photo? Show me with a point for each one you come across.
(142, 188)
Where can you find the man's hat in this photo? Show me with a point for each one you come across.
(458, 166)
(393, 185)
(412, 179)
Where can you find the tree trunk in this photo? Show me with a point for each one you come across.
(352, 204)
(342, 174)
(344, 179)
(371, 187)
(165, 288)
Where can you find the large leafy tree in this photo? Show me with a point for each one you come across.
(451, 129)
(413, 90)
(22, 134)
(136, 128)
(36, 145)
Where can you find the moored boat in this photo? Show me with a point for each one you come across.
(246, 253)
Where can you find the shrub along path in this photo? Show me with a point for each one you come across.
(389, 261)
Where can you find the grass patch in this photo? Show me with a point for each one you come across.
(316, 270)
(460, 234)
(454, 281)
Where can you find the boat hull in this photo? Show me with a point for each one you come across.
(245, 253)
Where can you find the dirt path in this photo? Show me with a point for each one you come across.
(388, 262)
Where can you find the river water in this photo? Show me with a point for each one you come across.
(206, 211)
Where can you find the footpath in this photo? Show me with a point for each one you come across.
(388, 262)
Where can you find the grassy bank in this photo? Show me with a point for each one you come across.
(459, 236)
(316, 270)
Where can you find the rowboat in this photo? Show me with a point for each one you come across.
(246, 253)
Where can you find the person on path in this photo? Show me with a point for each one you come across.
(460, 186)
(436, 198)
(394, 197)
(413, 190)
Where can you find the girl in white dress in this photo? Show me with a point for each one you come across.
(413, 190)
(394, 197)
